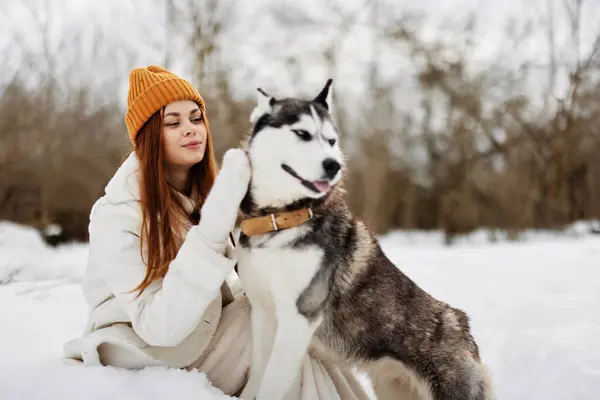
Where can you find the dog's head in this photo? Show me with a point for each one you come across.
(293, 149)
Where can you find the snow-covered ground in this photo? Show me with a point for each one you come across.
(534, 307)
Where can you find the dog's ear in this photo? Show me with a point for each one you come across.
(264, 105)
(324, 97)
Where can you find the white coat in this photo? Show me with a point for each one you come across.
(174, 319)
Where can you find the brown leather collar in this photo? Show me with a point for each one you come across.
(275, 221)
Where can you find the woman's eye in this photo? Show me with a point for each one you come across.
(198, 119)
(172, 123)
(302, 134)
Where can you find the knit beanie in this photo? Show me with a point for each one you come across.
(151, 89)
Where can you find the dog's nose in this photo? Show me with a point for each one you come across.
(331, 167)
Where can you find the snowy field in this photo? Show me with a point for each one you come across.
(534, 307)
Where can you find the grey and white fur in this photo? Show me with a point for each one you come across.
(327, 286)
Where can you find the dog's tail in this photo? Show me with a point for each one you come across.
(488, 386)
(469, 381)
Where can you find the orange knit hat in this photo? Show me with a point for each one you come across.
(151, 89)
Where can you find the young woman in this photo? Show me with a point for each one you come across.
(160, 252)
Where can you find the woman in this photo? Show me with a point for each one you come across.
(156, 280)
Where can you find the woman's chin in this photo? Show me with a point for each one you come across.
(193, 159)
(196, 161)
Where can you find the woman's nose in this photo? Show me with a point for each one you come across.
(190, 129)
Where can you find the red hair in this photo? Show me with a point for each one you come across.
(161, 208)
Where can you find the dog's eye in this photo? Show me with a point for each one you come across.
(331, 141)
(302, 134)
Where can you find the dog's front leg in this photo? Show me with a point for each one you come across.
(292, 340)
(262, 339)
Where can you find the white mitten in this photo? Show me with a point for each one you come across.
(220, 209)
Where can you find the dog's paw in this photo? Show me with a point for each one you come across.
(237, 164)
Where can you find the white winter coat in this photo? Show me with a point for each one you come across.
(175, 318)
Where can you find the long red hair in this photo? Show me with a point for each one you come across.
(161, 208)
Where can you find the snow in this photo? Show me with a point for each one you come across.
(534, 306)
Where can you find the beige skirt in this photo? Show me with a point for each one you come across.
(227, 359)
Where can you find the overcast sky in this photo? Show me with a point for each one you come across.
(133, 34)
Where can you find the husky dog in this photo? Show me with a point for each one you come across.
(317, 278)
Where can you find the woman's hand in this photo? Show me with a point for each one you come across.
(220, 209)
(237, 163)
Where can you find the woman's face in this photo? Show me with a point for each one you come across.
(184, 133)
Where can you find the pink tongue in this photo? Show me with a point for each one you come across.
(321, 185)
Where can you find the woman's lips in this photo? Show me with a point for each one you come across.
(193, 145)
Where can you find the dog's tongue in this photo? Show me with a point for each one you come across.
(321, 185)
